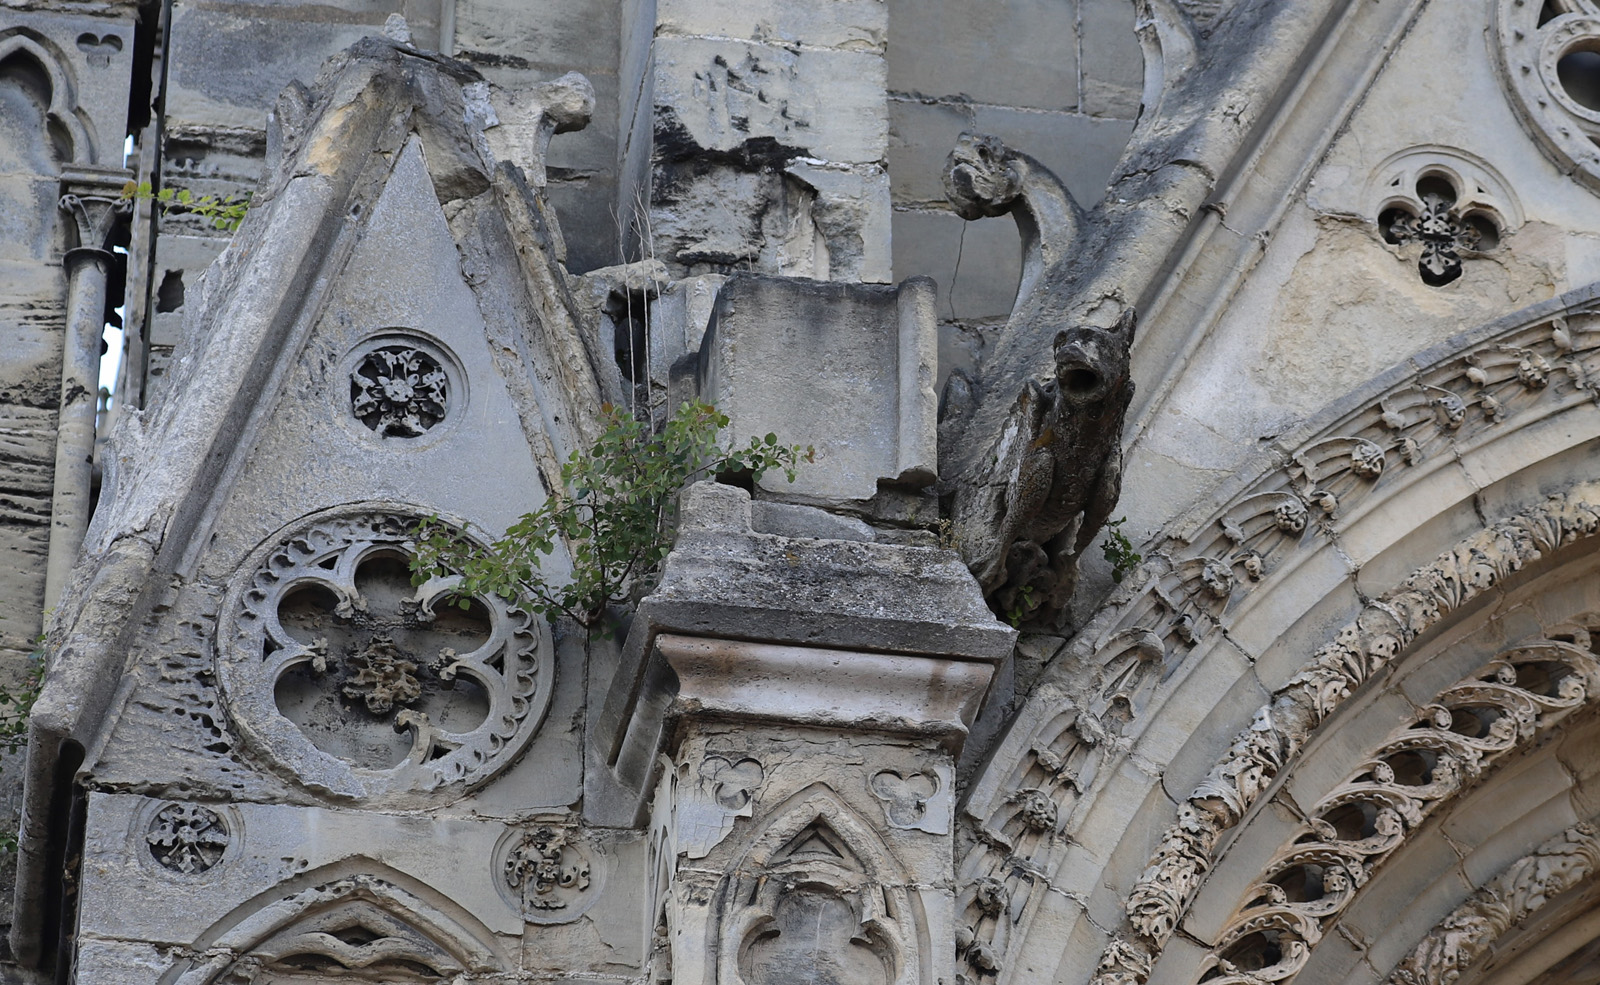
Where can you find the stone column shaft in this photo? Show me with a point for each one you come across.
(88, 266)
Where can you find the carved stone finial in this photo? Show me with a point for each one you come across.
(396, 29)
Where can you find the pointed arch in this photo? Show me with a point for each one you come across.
(68, 125)
(1406, 514)
(356, 917)
(816, 868)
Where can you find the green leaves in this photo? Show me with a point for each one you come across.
(223, 213)
(1118, 550)
(615, 518)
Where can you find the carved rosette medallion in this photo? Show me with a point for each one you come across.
(550, 871)
(344, 677)
(403, 386)
(187, 838)
(1547, 63)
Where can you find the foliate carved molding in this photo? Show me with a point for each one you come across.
(1512, 702)
(1541, 48)
(187, 838)
(1024, 814)
(1075, 722)
(1362, 648)
(347, 679)
(1525, 886)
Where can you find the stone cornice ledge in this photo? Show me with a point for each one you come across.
(837, 633)
(832, 689)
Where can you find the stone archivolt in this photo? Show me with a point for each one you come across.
(1074, 724)
(1518, 892)
(1362, 648)
(1509, 704)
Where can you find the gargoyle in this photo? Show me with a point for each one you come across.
(1027, 509)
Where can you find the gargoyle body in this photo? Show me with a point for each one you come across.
(1026, 510)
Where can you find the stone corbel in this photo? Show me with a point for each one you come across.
(524, 125)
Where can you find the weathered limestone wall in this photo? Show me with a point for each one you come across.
(1329, 303)
(1058, 79)
(770, 137)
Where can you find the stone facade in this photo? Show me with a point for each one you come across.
(1192, 576)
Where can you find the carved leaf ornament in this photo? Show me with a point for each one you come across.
(1512, 702)
(349, 680)
(1518, 892)
(1173, 604)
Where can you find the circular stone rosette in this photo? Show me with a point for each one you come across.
(1550, 63)
(348, 680)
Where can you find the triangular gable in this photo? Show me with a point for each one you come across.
(354, 361)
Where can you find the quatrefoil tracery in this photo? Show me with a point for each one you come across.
(359, 685)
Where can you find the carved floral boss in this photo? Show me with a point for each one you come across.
(360, 685)
(399, 391)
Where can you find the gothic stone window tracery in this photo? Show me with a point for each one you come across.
(354, 682)
(1435, 215)
(1550, 62)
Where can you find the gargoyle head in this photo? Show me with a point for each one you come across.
(981, 178)
(1092, 363)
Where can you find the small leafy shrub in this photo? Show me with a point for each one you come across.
(615, 516)
(1118, 550)
(222, 213)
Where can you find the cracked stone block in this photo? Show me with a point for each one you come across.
(808, 361)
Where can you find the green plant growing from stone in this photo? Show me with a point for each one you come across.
(16, 703)
(223, 213)
(615, 515)
(1118, 550)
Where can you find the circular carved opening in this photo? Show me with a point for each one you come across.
(367, 687)
(1394, 222)
(399, 391)
(1436, 190)
(1301, 884)
(187, 838)
(375, 661)
(1579, 74)
(1257, 952)
(1488, 231)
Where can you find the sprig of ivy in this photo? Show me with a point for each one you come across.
(16, 703)
(614, 517)
(1118, 550)
(222, 213)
